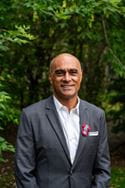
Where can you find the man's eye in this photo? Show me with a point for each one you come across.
(59, 72)
(73, 72)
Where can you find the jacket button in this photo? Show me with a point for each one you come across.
(70, 172)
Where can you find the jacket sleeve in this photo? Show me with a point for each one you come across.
(101, 172)
(25, 155)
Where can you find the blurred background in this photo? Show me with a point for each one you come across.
(32, 32)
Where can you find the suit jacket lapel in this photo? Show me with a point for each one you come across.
(82, 140)
(52, 116)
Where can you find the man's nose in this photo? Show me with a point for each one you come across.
(67, 76)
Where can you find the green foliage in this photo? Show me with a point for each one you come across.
(32, 32)
(8, 114)
(118, 177)
(5, 146)
(114, 103)
(19, 36)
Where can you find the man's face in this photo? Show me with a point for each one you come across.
(65, 77)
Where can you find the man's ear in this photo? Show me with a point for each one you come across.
(82, 75)
(50, 80)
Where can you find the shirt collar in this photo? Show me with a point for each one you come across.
(60, 106)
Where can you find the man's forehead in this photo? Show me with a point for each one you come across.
(66, 64)
(65, 61)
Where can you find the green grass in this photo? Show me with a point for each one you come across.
(118, 177)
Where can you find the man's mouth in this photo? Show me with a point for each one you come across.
(67, 86)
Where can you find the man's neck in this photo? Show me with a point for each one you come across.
(68, 102)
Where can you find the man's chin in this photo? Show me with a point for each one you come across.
(68, 96)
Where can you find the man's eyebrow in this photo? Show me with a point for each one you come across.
(57, 70)
(61, 69)
(73, 69)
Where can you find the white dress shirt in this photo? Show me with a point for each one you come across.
(70, 125)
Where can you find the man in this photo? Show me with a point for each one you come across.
(62, 140)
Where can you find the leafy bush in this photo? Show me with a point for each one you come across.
(5, 146)
(118, 177)
(7, 115)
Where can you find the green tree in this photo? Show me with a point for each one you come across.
(8, 114)
(33, 31)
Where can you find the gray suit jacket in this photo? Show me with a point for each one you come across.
(42, 158)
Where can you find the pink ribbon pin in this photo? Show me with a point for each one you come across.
(85, 129)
